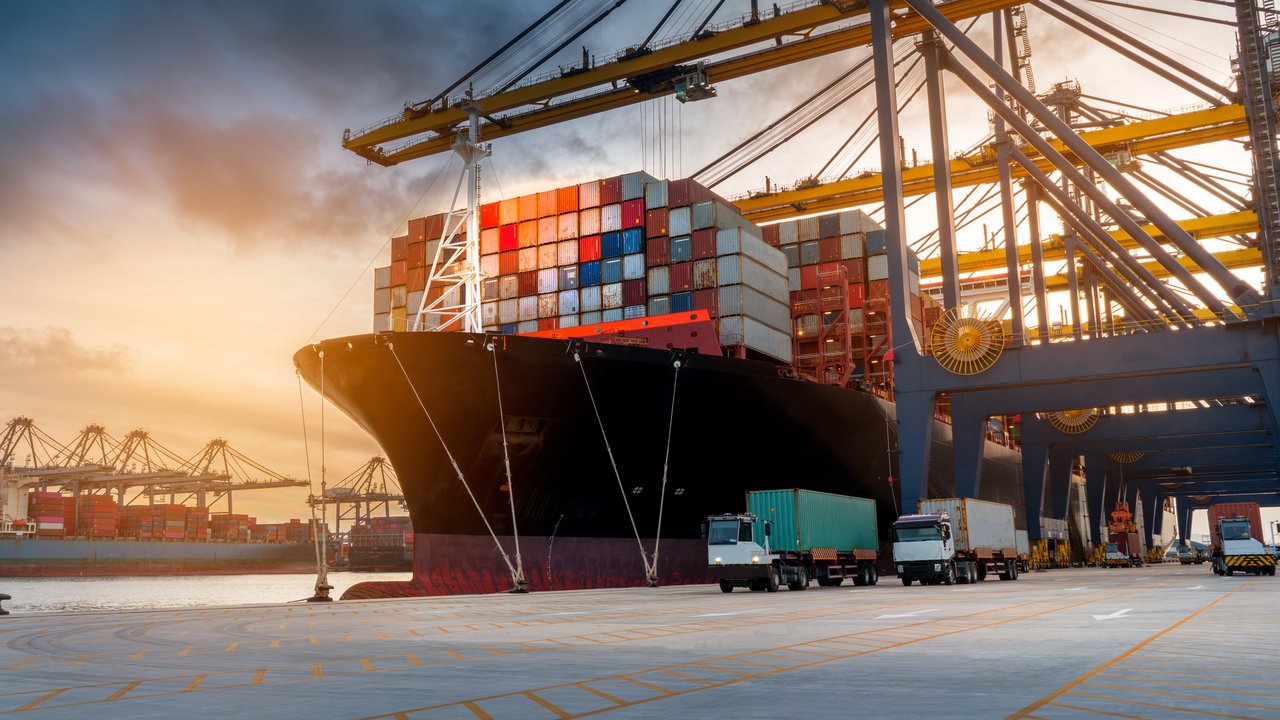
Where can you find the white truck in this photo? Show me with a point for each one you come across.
(956, 540)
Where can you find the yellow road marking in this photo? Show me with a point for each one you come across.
(35, 703)
(558, 712)
(187, 651)
(232, 647)
(122, 691)
(1129, 701)
(600, 693)
(257, 676)
(1109, 713)
(24, 663)
(651, 686)
(195, 683)
(413, 659)
(317, 670)
(274, 644)
(366, 664)
(139, 654)
(475, 710)
(1189, 684)
(1184, 696)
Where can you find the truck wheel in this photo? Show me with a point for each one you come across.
(835, 581)
(801, 582)
(973, 572)
(906, 581)
(950, 577)
(875, 573)
(1230, 572)
(1013, 571)
(982, 571)
(860, 576)
(726, 586)
(771, 584)
(1005, 572)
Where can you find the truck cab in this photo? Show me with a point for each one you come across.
(923, 549)
(1117, 557)
(738, 552)
(1237, 549)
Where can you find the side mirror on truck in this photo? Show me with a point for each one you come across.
(704, 531)
(767, 528)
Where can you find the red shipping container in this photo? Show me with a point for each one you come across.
(809, 277)
(547, 201)
(417, 279)
(633, 213)
(589, 248)
(399, 272)
(417, 256)
(917, 308)
(490, 215)
(528, 282)
(708, 300)
(527, 208)
(434, 228)
(853, 270)
(772, 235)
(508, 238)
(857, 295)
(418, 229)
(633, 292)
(679, 193)
(657, 251)
(828, 272)
(611, 190)
(399, 248)
(508, 263)
(655, 222)
(548, 323)
(704, 243)
(878, 292)
(829, 249)
(567, 199)
(1247, 510)
(681, 277)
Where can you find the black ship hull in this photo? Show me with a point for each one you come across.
(736, 425)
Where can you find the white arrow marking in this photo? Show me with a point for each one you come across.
(1115, 615)
(910, 614)
(1082, 587)
(1198, 587)
(964, 589)
(736, 612)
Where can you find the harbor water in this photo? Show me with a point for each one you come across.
(69, 594)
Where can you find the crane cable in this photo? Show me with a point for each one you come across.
(666, 461)
(644, 558)
(521, 582)
(515, 577)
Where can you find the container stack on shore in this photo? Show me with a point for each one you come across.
(620, 248)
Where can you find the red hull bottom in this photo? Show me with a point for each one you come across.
(471, 564)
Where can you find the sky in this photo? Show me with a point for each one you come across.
(177, 215)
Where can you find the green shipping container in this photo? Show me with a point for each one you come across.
(805, 519)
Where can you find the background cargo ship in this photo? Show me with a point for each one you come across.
(651, 273)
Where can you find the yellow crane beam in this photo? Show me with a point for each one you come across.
(1202, 228)
(1233, 259)
(609, 79)
(1181, 130)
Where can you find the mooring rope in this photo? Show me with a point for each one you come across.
(644, 558)
(322, 573)
(461, 478)
(666, 461)
(521, 582)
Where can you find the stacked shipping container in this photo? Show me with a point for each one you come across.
(48, 509)
(620, 248)
(95, 516)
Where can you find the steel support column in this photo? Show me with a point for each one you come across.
(968, 440)
(1095, 478)
(932, 50)
(1184, 518)
(1035, 474)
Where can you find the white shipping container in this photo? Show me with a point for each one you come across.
(659, 305)
(655, 195)
(589, 300)
(548, 255)
(1023, 542)
(508, 287)
(659, 280)
(549, 305)
(489, 313)
(527, 326)
(631, 312)
(568, 321)
(611, 218)
(851, 246)
(611, 315)
(414, 302)
(489, 266)
(753, 334)
(568, 302)
(855, 319)
(913, 281)
(399, 296)
(382, 277)
(976, 523)
(382, 322)
(382, 300)
(793, 279)
(878, 267)
(527, 259)
(746, 300)
(529, 307)
(678, 223)
(788, 233)
(508, 311)
(735, 241)
(742, 270)
(633, 185)
(567, 253)
(589, 194)
(808, 229)
(856, 221)
(589, 318)
(633, 266)
(611, 296)
(589, 222)
(548, 280)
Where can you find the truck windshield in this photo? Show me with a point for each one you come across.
(723, 532)
(1235, 531)
(1113, 548)
(917, 533)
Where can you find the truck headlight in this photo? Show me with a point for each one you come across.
(899, 569)
(937, 567)
(719, 560)
(755, 559)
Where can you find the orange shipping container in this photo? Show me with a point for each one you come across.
(489, 241)
(509, 211)
(417, 255)
(528, 234)
(547, 202)
(528, 208)
(567, 199)
(399, 247)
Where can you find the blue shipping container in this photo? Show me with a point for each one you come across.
(611, 315)
(507, 328)
(569, 278)
(632, 240)
(590, 273)
(611, 270)
(681, 249)
(681, 302)
(875, 242)
(611, 244)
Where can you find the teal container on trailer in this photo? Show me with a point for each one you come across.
(805, 519)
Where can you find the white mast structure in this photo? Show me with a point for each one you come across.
(455, 265)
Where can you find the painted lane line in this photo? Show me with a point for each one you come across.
(1115, 615)
(1197, 587)
(907, 615)
(736, 612)
(1082, 587)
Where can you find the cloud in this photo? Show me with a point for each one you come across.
(54, 351)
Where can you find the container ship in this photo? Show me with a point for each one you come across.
(648, 356)
(90, 535)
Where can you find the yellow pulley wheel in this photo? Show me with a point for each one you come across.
(965, 341)
(1074, 422)
(1125, 458)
